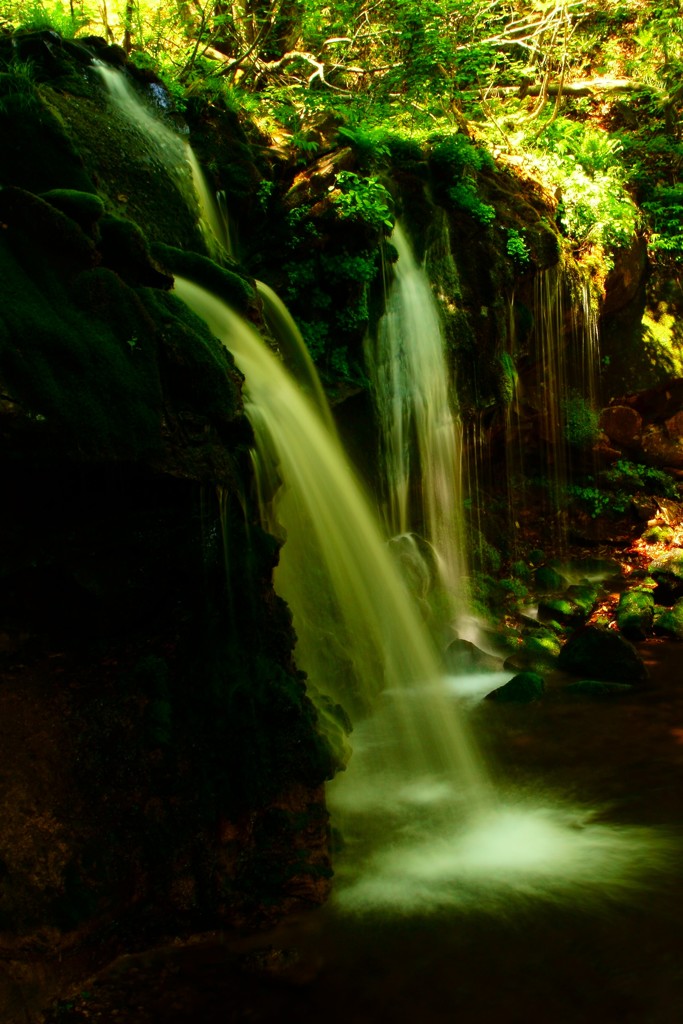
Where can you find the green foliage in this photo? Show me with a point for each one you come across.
(596, 500)
(455, 162)
(363, 199)
(636, 477)
(665, 209)
(583, 163)
(371, 144)
(517, 249)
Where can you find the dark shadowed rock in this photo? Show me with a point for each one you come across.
(598, 688)
(521, 689)
(603, 654)
(667, 571)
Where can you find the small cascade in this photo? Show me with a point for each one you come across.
(565, 391)
(178, 158)
(421, 433)
(294, 350)
(213, 212)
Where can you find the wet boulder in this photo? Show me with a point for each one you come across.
(547, 579)
(524, 688)
(669, 621)
(622, 424)
(635, 613)
(603, 654)
(462, 656)
(667, 571)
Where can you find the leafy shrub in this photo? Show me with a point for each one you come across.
(516, 248)
(363, 199)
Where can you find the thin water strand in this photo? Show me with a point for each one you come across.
(294, 350)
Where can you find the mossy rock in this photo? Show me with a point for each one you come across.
(543, 648)
(603, 653)
(659, 535)
(524, 688)
(547, 580)
(224, 283)
(562, 609)
(462, 656)
(37, 153)
(85, 208)
(669, 621)
(583, 595)
(598, 688)
(635, 613)
(667, 571)
(125, 249)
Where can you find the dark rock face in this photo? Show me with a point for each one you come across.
(159, 749)
(603, 654)
(667, 570)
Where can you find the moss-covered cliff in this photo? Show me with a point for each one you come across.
(160, 754)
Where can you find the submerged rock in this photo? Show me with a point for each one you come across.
(598, 688)
(464, 656)
(604, 654)
(523, 688)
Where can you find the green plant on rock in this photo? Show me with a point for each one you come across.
(638, 477)
(517, 249)
(364, 199)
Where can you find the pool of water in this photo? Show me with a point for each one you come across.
(520, 918)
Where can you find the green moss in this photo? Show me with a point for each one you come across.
(70, 360)
(659, 535)
(635, 613)
(670, 620)
(83, 207)
(230, 287)
(36, 153)
(548, 579)
(506, 379)
(125, 249)
(524, 688)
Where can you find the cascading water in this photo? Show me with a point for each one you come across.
(566, 388)
(294, 350)
(333, 534)
(177, 157)
(421, 433)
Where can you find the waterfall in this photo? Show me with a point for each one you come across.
(421, 432)
(336, 573)
(424, 829)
